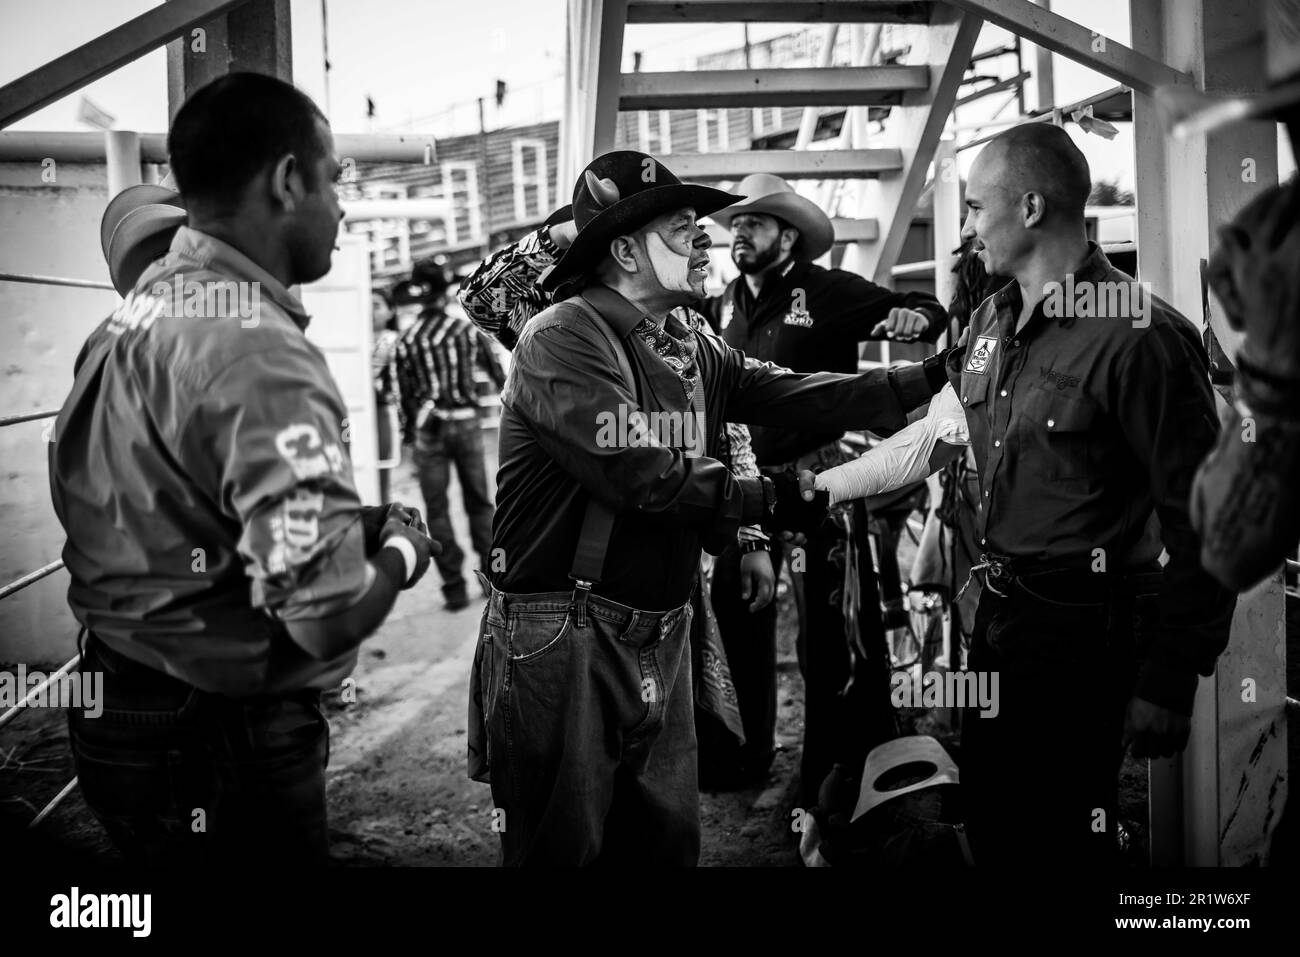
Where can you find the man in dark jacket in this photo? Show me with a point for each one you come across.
(608, 486)
(785, 309)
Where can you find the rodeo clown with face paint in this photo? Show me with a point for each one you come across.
(581, 711)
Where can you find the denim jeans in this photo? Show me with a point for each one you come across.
(182, 777)
(440, 444)
(587, 715)
(1040, 779)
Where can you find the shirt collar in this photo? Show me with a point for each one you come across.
(620, 313)
(212, 253)
(1095, 267)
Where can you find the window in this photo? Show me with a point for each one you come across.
(766, 119)
(460, 188)
(389, 239)
(711, 127)
(527, 183)
(655, 137)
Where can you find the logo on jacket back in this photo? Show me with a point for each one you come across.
(980, 357)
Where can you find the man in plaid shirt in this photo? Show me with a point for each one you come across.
(436, 361)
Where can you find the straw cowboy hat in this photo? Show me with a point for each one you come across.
(137, 228)
(618, 193)
(773, 196)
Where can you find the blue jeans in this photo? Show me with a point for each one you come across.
(438, 446)
(182, 777)
(586, 713)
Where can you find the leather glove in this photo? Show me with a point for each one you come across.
(792, 512)
(375, 518)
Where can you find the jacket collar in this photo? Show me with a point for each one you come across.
(219, 256)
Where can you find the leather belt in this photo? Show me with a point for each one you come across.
(1007, 578)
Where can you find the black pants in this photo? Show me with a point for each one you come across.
(749, 638)
(181, 777)
(440, 446)
(847, 706)
(1040, 779)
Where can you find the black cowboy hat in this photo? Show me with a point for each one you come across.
(617, 194)
(428, 281)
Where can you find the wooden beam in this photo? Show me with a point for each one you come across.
(1076, 42)
(831, 86)
(88, 147)
(783, 11)
(104, 54)
(915, 129)
(998, 87)
(788, 164)
(252, 38)
(846, 231)
(1217, 804)
(592, 63)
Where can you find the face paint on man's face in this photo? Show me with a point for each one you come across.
(672, 269)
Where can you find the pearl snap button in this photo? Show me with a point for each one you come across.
(1051, 423)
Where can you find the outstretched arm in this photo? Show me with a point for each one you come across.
(907, 456)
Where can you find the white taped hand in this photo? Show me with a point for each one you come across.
(904, 457)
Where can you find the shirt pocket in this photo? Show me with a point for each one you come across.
(1056, 431)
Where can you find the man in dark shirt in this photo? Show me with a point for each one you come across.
(612, 418)
(1088, 405)
(786, 310)
(436, 361)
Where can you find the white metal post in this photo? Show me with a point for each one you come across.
(122, 159)
(1218, 804)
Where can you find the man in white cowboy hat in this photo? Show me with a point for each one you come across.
(785, 309)
(609, 484)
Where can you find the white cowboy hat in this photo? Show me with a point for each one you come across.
(773, 196)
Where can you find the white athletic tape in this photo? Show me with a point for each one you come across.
(407, 551)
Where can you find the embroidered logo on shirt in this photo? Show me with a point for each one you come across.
(978, 362)
(798, 317)
(1062, 380)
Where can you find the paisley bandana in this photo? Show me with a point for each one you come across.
(674, 343)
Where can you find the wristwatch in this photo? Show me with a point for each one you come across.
(755, 545)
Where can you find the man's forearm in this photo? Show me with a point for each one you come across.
(879, 400)
(905, 457)
(332, 636)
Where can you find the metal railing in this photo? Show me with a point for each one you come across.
(18, 584)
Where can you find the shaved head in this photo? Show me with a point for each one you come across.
(1040, 158)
